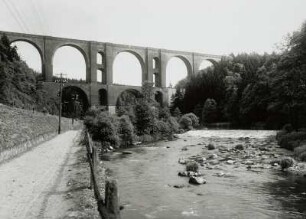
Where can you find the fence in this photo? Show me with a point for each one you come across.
(108, 208)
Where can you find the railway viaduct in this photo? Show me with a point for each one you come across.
(153, 62)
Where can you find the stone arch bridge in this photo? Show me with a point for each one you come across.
(153, 62)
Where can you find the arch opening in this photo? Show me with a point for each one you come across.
(205, 64)
(100, 58)
(156, 72)
(103, 97)
(31, 55)
(75, 102)
(101, 76)
(176, 70)
(71, 62)
(127, 69)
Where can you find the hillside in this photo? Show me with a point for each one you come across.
(18, 126)
(20, 86)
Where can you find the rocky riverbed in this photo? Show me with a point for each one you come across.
(230, 153)
(238, 176)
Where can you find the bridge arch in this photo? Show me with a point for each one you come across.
(75, 101)
(31, 55)
(128, 58)
(205, 63)
(128, 97)
(178, 67)
(78, 54)
(37, 47)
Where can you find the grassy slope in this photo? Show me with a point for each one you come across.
(18, 125)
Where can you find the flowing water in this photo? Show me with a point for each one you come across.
(147, 176)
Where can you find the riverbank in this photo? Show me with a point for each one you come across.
(84, 203)
(239, 183)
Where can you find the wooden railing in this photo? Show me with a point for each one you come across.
(109, 207)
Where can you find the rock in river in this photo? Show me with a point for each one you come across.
(197, 180)
(127, 152)
(211, 147)
(182, 161)
(230, 162)
(239, 147)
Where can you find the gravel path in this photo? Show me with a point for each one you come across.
(32, 185)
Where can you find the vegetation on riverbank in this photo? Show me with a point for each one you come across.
(294, 141)
(141, 119)
(250, 90)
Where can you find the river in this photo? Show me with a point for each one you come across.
(146, 179)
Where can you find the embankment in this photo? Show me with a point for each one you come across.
(22, 129)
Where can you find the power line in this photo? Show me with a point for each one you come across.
(20, 24)
(36, 11)
(19, 16)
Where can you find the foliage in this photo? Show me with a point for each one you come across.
(144, 113)
(104, 130)
(209, 113)
(125, 131)
(300, 152)
(176, 113)
(185, 122)
(291, 140)
(192, 166)
(19, 86)
(269, 89)
(194, 119)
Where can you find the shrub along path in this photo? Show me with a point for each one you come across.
(36, 184)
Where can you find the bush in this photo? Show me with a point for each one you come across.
(192, 166)
(209, 113)
(194, 119)
(286, 162)
(185, 122)
(125, 131)
(302, 156)
(211, 147)
(163, 128)
(176, 113)
(291, 140)
(104, 130)
(300, 152)
(164, 113)
(145, 138)
(173, 124)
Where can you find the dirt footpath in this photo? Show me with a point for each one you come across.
(37, 184)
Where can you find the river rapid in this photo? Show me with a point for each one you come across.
(248, 187)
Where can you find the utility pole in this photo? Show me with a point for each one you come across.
(61, 80)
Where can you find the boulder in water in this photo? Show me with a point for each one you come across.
(211, 147)
(127, 152)
(197, 180)
(239, 147)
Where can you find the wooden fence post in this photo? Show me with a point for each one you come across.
(112, 199)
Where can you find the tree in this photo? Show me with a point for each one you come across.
(125, 131)
(144, 113)
(209, 113)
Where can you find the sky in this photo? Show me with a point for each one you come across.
(216, 27)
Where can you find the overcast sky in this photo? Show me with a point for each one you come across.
(214, 26)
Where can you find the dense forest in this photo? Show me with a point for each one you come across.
(250, 90)
(21, 86)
